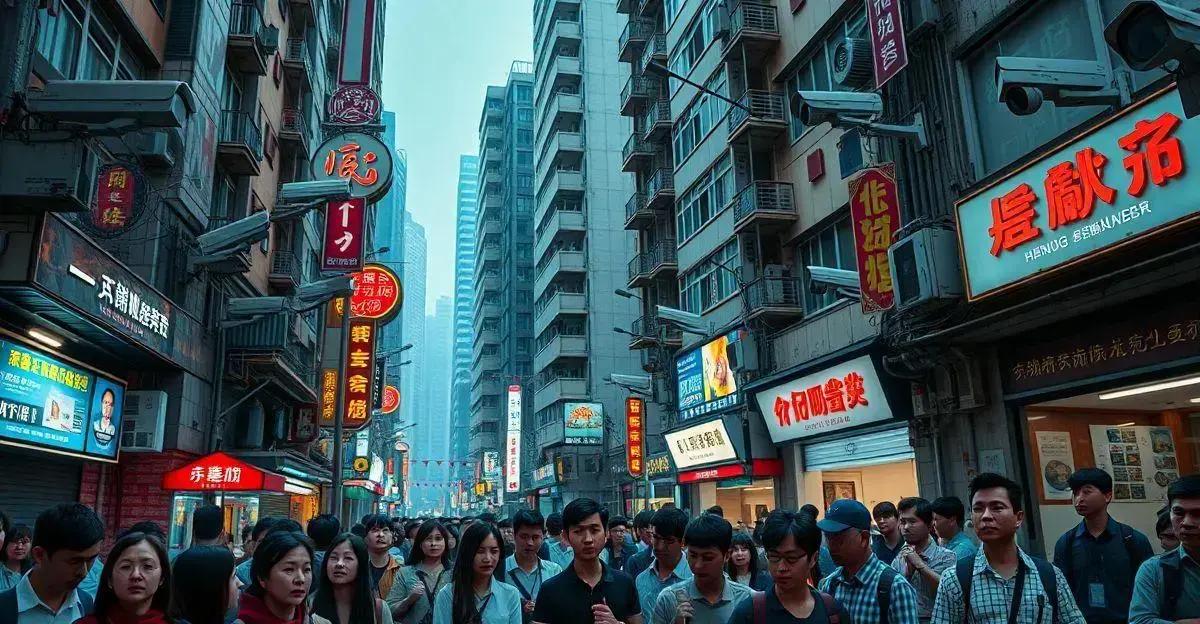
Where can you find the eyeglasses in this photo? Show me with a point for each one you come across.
(790, 559)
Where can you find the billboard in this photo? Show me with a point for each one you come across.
(583, 423)
(842, 396)
(702, 444)
(705, 379)
(512, 445)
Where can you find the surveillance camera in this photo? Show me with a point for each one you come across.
(813, 108)
(1151, 33)
(824, 279)
(632, 381)
(313, 294)
(235, 237)
(114, 105)
(1024, 82)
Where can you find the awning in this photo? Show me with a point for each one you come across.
(362, 489)
(756, 468)
(220, 472)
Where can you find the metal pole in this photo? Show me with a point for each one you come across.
(340, 412)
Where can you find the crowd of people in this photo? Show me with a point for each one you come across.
(900, 563)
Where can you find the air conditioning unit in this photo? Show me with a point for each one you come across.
(924, 401)
(922, 15)
(853, 66)
(743, 354)
(52, 176)
(152, 149)
(144, 419)
(925, 268)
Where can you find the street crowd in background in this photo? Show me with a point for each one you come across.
(900, 563)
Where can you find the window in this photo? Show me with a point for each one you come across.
(524, 157)
(816, 73)
(59, 37)
(709, 282)
(524, 93)
(700, 117)
(525, 114)
(695, 41)
(832, 247)
(82, 44)
(705, 199)
(525, 182)
(524, 137)
(671, 8)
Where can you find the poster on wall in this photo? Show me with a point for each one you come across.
(706, 382)
(1141, 460)
(1056, 463)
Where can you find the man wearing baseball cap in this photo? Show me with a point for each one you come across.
(872, 592)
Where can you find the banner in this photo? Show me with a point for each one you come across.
(512, 446)
(345, 235)
(874, 216)
(635, 432)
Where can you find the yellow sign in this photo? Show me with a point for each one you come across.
(361, 464)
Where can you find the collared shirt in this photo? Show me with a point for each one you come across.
(703, 611)
(531, 581)
(649, 585)
(91, 582)
(882, 551)
(639, 562)
(8, 578)
(1101, 563)
(31, 609)
(1146, 607)
(991, 596)
(859, 594)
(562, 555)
(937, 559)
(626, 553)
(502, 606)
(962, 545)
(743, 613)
(242, 571)
(568, 599)
(408, 578)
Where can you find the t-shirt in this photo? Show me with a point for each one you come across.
(376, 574)
(566, 598)
(743, 613)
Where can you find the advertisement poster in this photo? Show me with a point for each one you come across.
(46, 402)
(875, 215)
(1141, 460)
(706, 382)
(1056, 463)
(843, 396)
(584, 423)
(703, 444)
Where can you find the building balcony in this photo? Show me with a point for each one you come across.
(650, 331)
(660, 190)
(647, 8)
(625, 7)
(550, 435)
(491, 283)
(293, 132)
(490, 208)
(562, 222)
(656, 123)
(753, 29)
(559, 263)
(650, 265)
(563, 149)
(636, 154)
(559, 389)
(636, 93)
(563, 35)
(296, 66)
(775, 298)
(484, 388)
(249, 41)
(492, 155)
(565, 111)
(561, 71)
(769, 205)
(271, 348)
(489, 363)
(285, 271)
(766, 119)
(489, 253)
(239, 143)
(633, 38)
(489, 227)
(560, 347)
(302, 10)
(638, 214)
(559, 304)
(655, 51)
(559, 184)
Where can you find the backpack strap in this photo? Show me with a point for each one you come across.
(1046, 573)
(1172, 576)
(831, 609)
(883, 593)
(964, 570)
(1069, 557)
(1130, 548)
(760, 607)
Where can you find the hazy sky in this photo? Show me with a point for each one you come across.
(440, 55)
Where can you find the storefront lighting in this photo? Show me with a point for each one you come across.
(1033, 418)
(45, 338)
(1196, 400)
(1128, 424)
(295, 486)
(78, 272)
(1166, 385)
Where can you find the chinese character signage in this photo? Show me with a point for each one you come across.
(658, 465)
(887, 39)
(512, 445)
(377, 294)
(705, 380)
(329, 388)
(358, 42)
(705, 443)
(360, 362)
(358, 157)
(391, 399)
(874, 216)
(304, 425)
(116, 193)
(342, 249)
(1118, 182)
(840, 397)
(635, 437)
(354, 105)
(47, 403)
(220, 472)
(544, 476)
(583, 423)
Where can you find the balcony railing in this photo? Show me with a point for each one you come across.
(765, 197)
(775, 292)
(661, 184)
(657, 120)
(766, 107)
(245, 19)
(635, 34)
(636, 90)
(635, 148)
(294, 128)
(753, 17)
(239, 127)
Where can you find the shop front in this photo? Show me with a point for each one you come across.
(544, 488)
(842, 427)
(715, 466)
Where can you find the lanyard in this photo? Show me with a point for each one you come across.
(429, 593)
(1014, 611)
(512, 575)
(481, 607)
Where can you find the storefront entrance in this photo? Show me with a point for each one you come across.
(870, 468)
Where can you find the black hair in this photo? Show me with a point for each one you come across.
(989, 480)
(463, 608)
(581, 509)
(417, 555)
(324, 602)
(359, 530)
(708, 530)
(207, 522)
(800, 525)
(5, 521)
(106, 597)
(376, 521)
(554, 524)
(920, 508)
(949, 507)
(716, 511)
(618, 521)
(274, 547)
(204, 597)
(261, 527)
(322, 530)
(528, 518)
(669, 522)
(505, 523)
(810, 509)
(884, 510)
(642, 519)
(15, 533)
(1187, 486)
(410, 525)
(745, 541)
(149, 527)
(1090, 476)
(67, 526)
(487, 517)
(285, 525)
(1163, 523)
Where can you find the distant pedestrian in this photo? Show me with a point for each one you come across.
(322, 530)
(645, 543)
(888, 543)
(427, 570)
(282, 573)
(708, 597)
(669, 566)
(474, 596)
(921, 561)
(344, 592)
(1167, 587)
(1165, 532)
(136, 583)
(16, 555)
(257, 533)
(949, 516)
(716, 511)
(744, 565)
(871, 591)
(66, 541)
(618, 550)
(203, 586)
(560, 547)
(383, 566)
(208, 526)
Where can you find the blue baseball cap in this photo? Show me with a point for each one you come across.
(846, 514)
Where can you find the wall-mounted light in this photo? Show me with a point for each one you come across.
(45, 338)
(1166, 385)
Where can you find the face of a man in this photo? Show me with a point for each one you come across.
(945, 526)
(667, 548)
(106, 405)
(849, 547)
(994, 516)
(707, 563)
(587, 537)
(915, 531)
(646, 536)
(529, 540)
(616, 535)
(379, 538)
(65, 569)
(887, 524)
(1089, 500)
(1185, 519)
(789, 565)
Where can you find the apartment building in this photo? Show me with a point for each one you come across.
(466, 217)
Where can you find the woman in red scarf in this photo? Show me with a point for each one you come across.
(134, 585)
(280, 576)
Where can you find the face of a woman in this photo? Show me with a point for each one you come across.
(342, 565)
(487, 556)
(235, 590)
(18, 549)
(740, 555)
(137, 574)
(289, 579)
(434, 545)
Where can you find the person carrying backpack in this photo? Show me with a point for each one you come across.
(1001, 583)
(872, 591)
(1167, 587)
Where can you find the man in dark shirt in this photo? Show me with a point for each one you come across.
(587, 591)
(888, 543)
(1100, 556)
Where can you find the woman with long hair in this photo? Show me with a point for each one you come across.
(344, 594)
(426, 571)
(743, 565)
(134, 584)
(204, 587)
(280, 575)
(16, 555)
(474, 596)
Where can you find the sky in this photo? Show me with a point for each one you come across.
(439, 58)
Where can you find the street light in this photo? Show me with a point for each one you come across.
(621, 292)
(663, 71)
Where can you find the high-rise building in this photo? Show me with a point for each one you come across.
(434, 425)
(412, 317)
(503, 324)
(581, 248)
(464, 309)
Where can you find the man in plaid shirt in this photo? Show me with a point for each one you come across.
(997, 568)
(862, 582)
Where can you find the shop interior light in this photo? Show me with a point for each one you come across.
(1196, 400)
(1128, 424)
(1166, 385)
(1033, 418)
(45, 338)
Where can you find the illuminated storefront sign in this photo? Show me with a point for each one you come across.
(343, 244)
(839, 397)
(377, 294)
(220, 472)
(705, 443)
(1115, 184)
(512, 445)
(705, 380)
(360, 360)
(874, 216)
(635, 430)
(358, 157)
